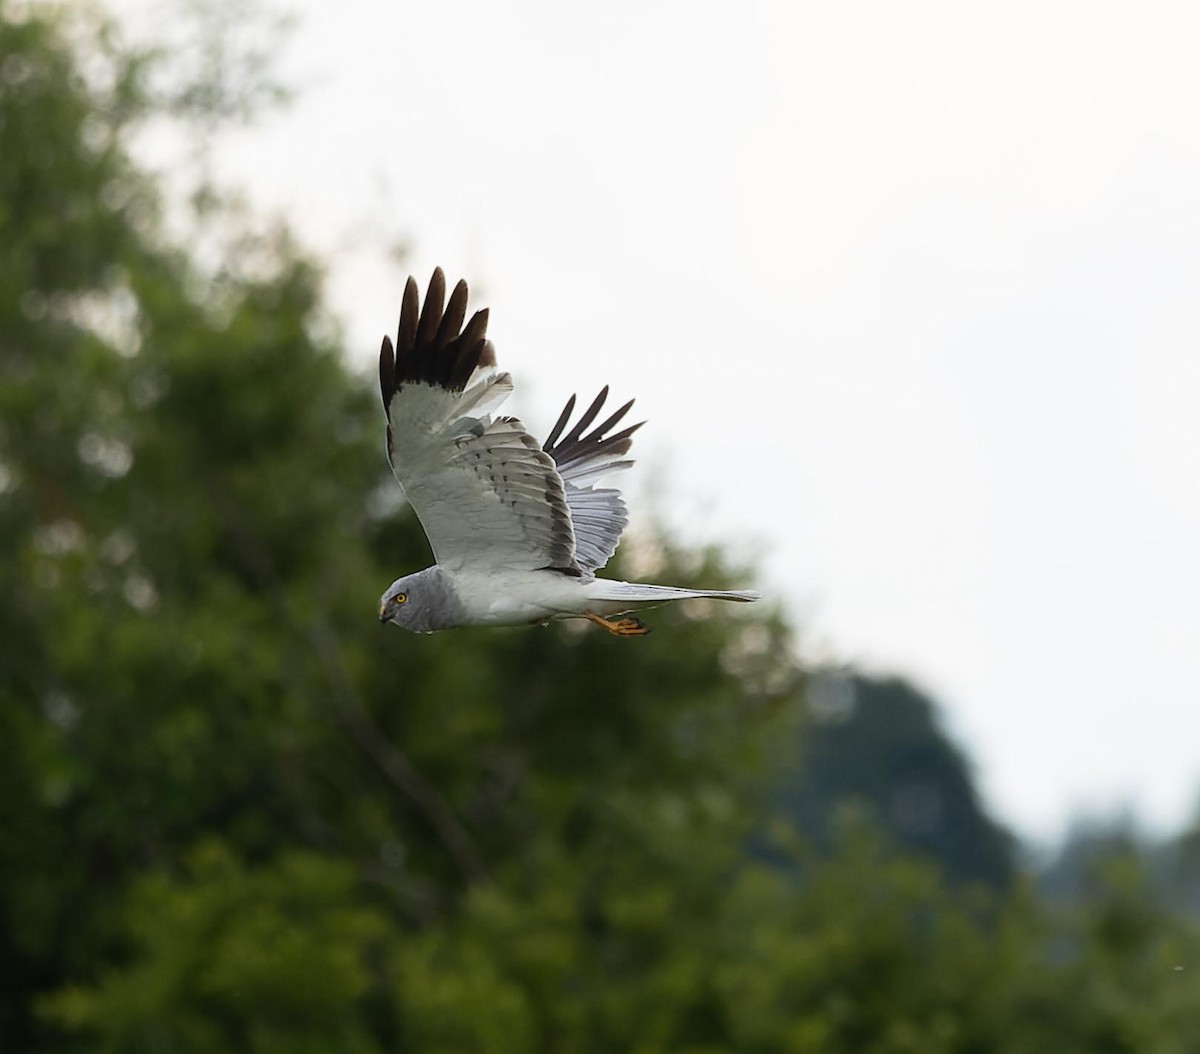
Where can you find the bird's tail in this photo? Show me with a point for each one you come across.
(644, 593)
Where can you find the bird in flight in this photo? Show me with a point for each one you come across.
(518, 529)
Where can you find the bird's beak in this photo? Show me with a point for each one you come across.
(384, 617)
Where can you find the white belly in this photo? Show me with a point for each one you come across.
(515, 598)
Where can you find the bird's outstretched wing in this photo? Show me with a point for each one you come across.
(598, 514)
(487, 495)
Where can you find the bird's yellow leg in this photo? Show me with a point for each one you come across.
(626, 627)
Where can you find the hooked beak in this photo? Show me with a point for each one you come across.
(384, 617)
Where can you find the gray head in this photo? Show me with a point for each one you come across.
(422, 602)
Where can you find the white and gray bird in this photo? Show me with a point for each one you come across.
(518, 530)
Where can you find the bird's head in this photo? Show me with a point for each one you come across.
(398, 602)
(423, 602)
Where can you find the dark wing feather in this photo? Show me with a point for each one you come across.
(484, 490)
(432, 346)
(598, 514)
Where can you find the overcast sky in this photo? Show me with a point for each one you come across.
(908, 292)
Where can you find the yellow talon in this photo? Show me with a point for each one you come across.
(626, 627)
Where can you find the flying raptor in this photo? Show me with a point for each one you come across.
(518, 529)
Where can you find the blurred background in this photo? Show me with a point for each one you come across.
(907, 294)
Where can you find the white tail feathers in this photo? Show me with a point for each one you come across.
(643, 592)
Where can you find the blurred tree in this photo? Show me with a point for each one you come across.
(877, 744)
(1075, 871)
(238, 816)
(197, 709)
(1178, 868)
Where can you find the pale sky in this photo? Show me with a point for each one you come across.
(908, 292)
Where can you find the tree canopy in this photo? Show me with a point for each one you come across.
(236, 815)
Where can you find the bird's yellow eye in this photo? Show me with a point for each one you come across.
(399, 598)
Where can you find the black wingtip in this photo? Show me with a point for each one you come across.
(455, 313)
(560, 424)
(579, 441)
(432, 347)
(431, 319)
(487, 354)
(387, 371)
(410, 313)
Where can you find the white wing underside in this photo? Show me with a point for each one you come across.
(483, 489)
(599, 518)
(487, 494)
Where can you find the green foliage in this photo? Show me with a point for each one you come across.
(876, 744)
(267, 959)
(237, 815)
